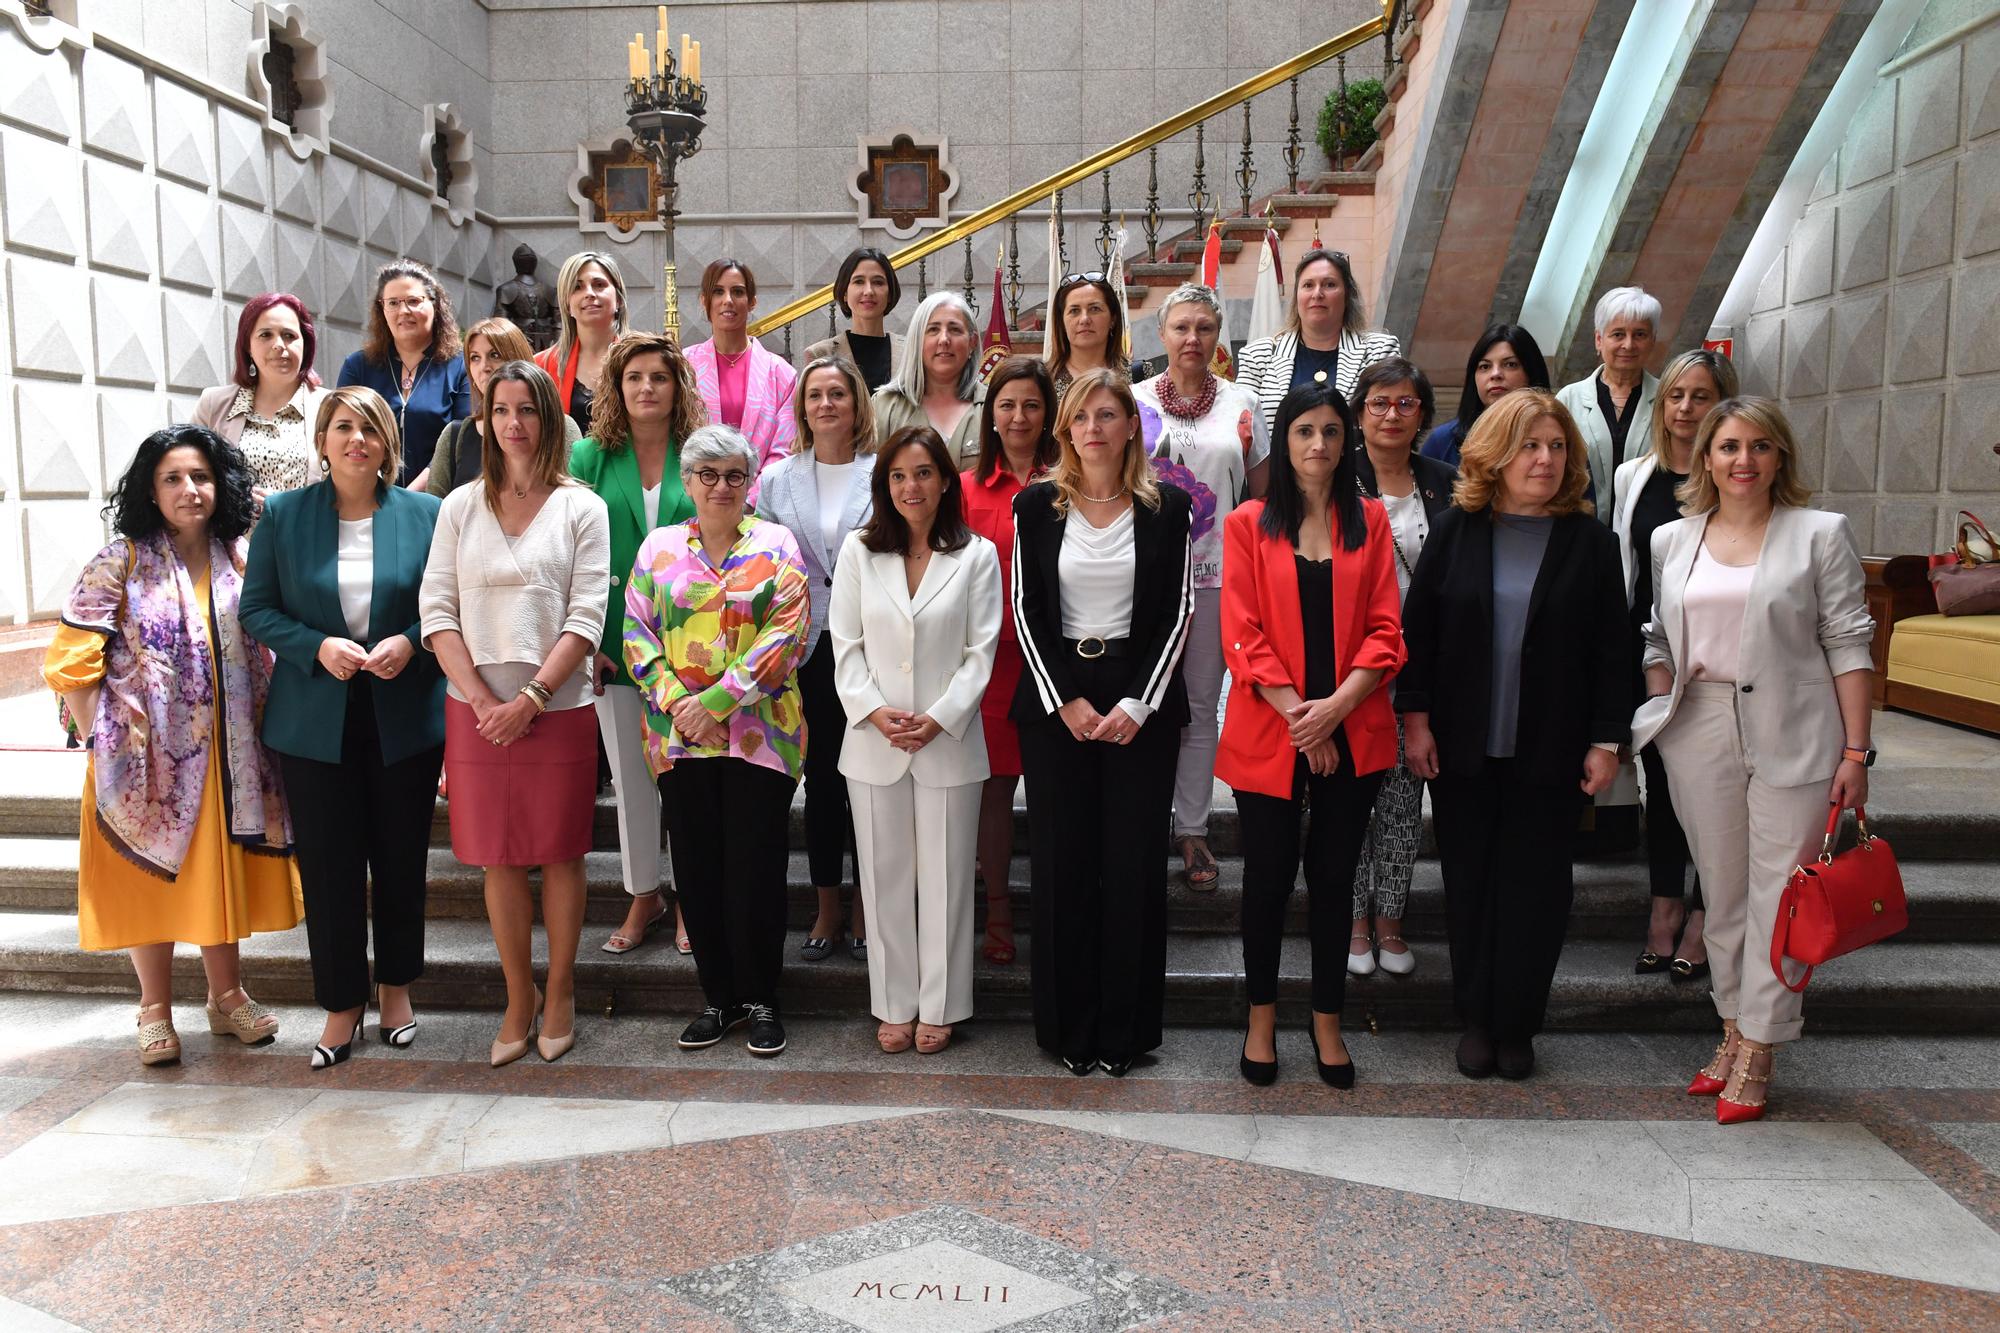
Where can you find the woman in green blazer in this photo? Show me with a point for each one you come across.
(356, 711)
(646, 404)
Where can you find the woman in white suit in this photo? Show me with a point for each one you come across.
(1758, 675)
(1613, 404)
(915, 620)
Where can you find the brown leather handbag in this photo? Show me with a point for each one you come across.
(1838, 903)
(1970, 585)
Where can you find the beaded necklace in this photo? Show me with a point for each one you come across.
(1177, 406)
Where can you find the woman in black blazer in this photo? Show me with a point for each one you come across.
(1102, 595)
(1515, 701)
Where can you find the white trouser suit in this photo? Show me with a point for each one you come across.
(916, 816)
(621, 721)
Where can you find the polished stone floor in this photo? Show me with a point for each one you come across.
(633, 1186)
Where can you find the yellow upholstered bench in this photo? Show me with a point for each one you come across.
(1947, 667)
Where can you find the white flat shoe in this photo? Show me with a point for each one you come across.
(1361, 964)
(1397, 964)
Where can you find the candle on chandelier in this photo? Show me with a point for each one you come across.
(695, 74)
(687, 58)
(635, 60)
(660, 44)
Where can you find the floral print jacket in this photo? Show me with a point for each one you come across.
(732, 637)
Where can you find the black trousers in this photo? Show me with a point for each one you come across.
(726, 820)
(356, 822)
(1505, 845)
(1340, 804)
(1097, 817)
(829, 821)
(1667, 852)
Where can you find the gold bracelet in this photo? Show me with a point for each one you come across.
(536, 693)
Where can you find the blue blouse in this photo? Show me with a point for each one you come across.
(441, 395)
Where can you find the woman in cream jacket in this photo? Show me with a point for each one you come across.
(915, 618)
(1757, 671)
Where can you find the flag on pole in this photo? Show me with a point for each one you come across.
(1211, 277)
(1115, 274)
(1049, 314)
(997, 345)
(1267, 298)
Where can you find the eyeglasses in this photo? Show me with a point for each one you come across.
(397, 304)
(1072, 279)
(1404, 407)
(735, 480)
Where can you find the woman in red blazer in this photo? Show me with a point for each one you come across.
(1311, 630)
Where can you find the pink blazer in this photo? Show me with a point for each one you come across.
(767, 398)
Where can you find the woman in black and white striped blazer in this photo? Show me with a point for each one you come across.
(1103, 596)
(1326, 338)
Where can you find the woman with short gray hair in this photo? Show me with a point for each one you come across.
(1613, 405)
(937, 383)
(715, 615)
(1208, 437)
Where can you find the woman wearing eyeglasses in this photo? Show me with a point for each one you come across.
(1212, 444)
(1392, 403)
(590, 292)
(1088, 332)
(715, 618)
(410, 355)
(1326, 339)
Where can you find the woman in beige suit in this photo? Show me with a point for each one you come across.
(915, 619)
(1757, 667)
(866, 290)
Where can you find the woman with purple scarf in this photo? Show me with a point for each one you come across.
(184, 833)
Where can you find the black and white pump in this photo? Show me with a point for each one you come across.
(326, 1057)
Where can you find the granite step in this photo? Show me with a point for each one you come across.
(1894, 987)
(1946, 814)
(1950, 900)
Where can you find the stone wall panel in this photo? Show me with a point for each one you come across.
(40, 195)
(59, 537)
(242, 162)
(183, 134)
(55, 434)
(43, 302)
(1920, 328)
(126, 315)
(125, 417)
(190, 245)
(1912, 440)
(36, 90)
(246, 251)
(1860, 331)
(117, 117)
(120, 218)
(1929, 122)
(197, 351)
(1975, 343)
(1926, 208)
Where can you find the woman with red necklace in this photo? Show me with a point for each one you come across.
(1212, 443)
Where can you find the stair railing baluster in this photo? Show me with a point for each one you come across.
(923, 278)
(1104, 237)
(1246, 166)
(1013, 273)
(1294, 147)
(970, 299)
(1198, 196)
(1153, 202)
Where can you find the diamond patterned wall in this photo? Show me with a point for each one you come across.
(138, 210)
(1881, 332)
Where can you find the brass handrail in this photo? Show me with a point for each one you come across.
(1090, 166)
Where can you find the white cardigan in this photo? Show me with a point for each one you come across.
(511, 604)
(931, 653)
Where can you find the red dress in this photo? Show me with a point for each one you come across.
(989, 511)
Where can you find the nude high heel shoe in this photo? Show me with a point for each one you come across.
(507, 1052)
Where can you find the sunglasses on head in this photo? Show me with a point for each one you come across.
(1074, 278)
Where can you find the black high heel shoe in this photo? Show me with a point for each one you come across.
(1079, 1064)
(405, 1035)
(326, 1057)
(1334, 1076)
(1261, 1073)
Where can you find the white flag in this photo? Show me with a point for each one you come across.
(1050, 315)
(1267, 299)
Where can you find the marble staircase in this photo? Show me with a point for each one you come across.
(1933, 803)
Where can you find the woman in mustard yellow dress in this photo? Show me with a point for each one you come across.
(184, 835)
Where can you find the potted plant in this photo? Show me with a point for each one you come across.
(1347, 121)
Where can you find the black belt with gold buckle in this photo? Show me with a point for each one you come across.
(1091, 647)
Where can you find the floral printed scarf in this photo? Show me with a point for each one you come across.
(156, 717)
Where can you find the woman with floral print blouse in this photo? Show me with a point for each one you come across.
(716, 612)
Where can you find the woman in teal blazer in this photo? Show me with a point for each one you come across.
(645, 405)
(356, 710)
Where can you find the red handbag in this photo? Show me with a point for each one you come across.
(1838, 903)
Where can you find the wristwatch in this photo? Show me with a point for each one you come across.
(1863, 757)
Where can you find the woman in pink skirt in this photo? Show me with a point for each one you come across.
(513, 604)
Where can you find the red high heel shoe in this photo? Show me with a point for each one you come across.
(1730, 1111)
(1706, 1084)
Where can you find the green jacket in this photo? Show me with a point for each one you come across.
(615, 478)
(291, 605)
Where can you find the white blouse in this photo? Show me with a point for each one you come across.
(512, 600)
(1712, 606)
(1209, 459)
(355, 574)
(1411, 527)
(1095, 569)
